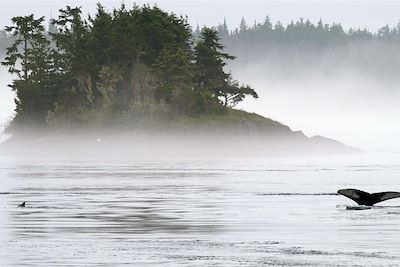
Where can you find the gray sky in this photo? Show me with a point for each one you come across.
(369, 14)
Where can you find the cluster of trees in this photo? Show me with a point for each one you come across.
(303, 31)
(125, 64)
(303, 48)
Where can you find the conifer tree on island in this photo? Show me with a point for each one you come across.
(29, 60)
(209, 71)
(117, 66)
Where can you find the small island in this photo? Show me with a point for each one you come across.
(135, 78)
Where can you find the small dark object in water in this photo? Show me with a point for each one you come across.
(367, 199)
(22, 205)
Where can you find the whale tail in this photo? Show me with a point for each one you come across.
(367, 199)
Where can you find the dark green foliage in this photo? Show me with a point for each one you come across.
(29, 59)
(131, 63)
(175, 80)
(234, 93)
(210, 76)
(71, 40)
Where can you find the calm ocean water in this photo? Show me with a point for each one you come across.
(197, 212)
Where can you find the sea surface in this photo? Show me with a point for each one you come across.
(197, 211)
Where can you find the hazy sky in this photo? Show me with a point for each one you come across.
(369, 14)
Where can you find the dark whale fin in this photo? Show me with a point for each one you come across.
(382, 196)
(367, 199)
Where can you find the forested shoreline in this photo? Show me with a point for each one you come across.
(319, 34)
(141, 63)
(126, 65)
(305, 49)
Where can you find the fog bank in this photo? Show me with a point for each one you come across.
(7, 104)
(247, 139)
(331, 94)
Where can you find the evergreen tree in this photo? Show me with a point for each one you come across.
(139, 62)
(210, 76)
(267, 26)
(29, 59)
(209, 62)
(234, 93)
(223, 31)
(243, 25)
(70, 41)
(175, 85)
(196, 32)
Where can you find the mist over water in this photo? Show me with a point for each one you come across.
(7, 104)
(346, 93)
(344, 102)
(349, 106)
(253, 195)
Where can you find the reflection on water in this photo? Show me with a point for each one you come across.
(224, 212)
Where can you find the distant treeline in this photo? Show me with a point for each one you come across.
(302, 46)
(303, 31)
(122, 66)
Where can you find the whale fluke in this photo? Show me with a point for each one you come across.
(367, 199)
